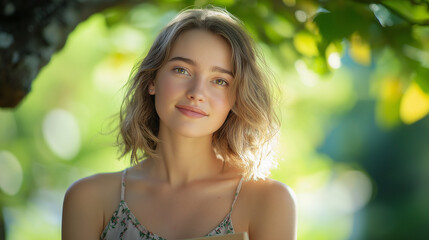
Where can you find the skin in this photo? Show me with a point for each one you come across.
(172, 196)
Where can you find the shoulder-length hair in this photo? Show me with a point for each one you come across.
(244, 140)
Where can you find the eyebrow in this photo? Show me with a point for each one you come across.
(192, 62)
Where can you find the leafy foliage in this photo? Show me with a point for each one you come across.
(355, 83)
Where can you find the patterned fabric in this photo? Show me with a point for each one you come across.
(124, 225)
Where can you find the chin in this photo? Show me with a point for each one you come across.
(191, 129)
(194, 134)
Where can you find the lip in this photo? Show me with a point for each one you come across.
(190, 111)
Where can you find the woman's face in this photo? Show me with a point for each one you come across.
(192, 96)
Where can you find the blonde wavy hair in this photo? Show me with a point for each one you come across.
(244, 140)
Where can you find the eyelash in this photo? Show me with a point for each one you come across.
(182, 70)
(224, 83)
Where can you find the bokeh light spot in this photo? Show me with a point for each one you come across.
(414, 105)
(334, 60)
(308, 77)
(61, 132)
(289, 3)
(352, 191)
(360, 50)
(301, 16)
(306, 44)
(10, 173)
(112, 73)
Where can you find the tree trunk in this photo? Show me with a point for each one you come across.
(30, 32)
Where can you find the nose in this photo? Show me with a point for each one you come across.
(196, 90)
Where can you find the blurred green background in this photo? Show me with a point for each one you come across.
(354, 142)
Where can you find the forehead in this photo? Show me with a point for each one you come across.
(203, 47)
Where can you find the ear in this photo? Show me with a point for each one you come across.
(151, 88)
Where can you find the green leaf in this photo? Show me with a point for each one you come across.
(421, 77)
(409, 10)
(342, 20)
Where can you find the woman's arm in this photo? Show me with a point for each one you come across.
(274, 215)
(82, 210)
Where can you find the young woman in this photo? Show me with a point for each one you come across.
(197, 121)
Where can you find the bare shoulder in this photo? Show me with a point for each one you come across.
(94, 188)
(98, 183)
(273, 210)
(86, 204)
(270, 188)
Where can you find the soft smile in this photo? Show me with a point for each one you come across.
(191, 111)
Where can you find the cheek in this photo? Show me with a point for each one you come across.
(165, 94)
(223, 104)
(166, 88)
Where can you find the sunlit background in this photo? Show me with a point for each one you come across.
(354, 142)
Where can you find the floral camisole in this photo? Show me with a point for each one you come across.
(124, 225)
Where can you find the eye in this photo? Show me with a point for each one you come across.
(181, 70)
(220, 82)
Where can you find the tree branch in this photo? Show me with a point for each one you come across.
(424, 22)
(31, 32)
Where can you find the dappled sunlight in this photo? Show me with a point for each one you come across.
(334, 52)
(343, 102)
(308, 77)
(382, 14)
(414, 104)
(334, 60)
(359, 50)
(306, 44)
(111, 73)
(389, 93)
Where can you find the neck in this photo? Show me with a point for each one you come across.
(182, 160)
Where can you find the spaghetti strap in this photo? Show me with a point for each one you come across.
(237, 192)
(124, 225)
(124, 175)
